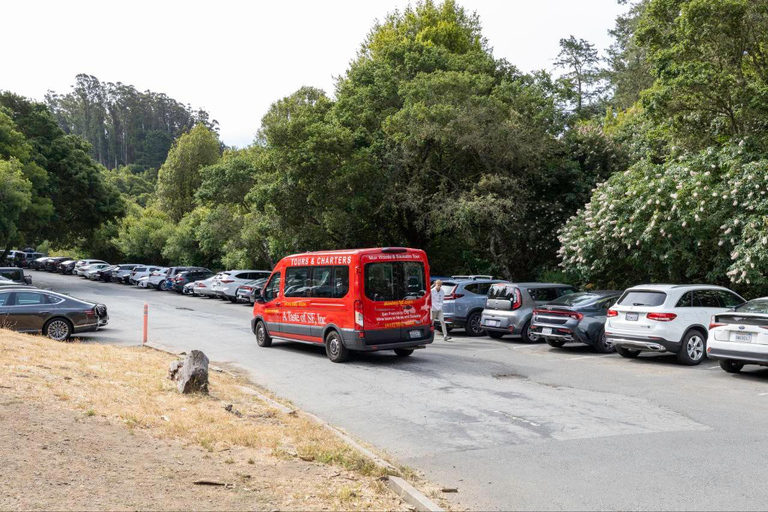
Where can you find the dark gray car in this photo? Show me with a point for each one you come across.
(577, 317)
(52, 314)
(15, 274)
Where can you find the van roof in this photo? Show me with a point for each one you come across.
(372, 250)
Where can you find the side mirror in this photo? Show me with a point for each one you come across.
(259, 298)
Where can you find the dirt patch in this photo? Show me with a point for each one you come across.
(101, 427)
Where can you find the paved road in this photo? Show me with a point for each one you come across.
(513, 426)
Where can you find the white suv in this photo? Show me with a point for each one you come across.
(667, 318)
(226, 283)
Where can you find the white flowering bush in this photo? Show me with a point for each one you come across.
(696, 218)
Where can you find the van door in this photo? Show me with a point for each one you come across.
(272, 312)
(297, 316)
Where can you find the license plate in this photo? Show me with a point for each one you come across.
(743, 338)
(492, 323)
(632, 317)
(546, 330)
(414, 334)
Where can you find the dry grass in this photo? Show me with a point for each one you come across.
(130, 386)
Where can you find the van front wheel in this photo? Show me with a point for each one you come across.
(335, 348)
(263, 339)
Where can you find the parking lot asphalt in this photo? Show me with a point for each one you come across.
(511, 425)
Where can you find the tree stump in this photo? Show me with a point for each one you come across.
(193, 375)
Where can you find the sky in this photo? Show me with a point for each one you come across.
(235, 58)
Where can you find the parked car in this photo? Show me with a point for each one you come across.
(39, 263)
(740, 337)
(62, 266)
(226, 285)
(189, 288)
(90, 271)
(189, 276)
(320, 298)
(142, 282)
(10, 258)
(28, 257)
(157, 277)
(510, 306)
(104, 274)
(16, 275)
(464, 302)
(247, 292)
(204, 287)
(53, 314)
(122, 272)
(50, 263)
(167, 282)
(81, 264)
(576, 317)
(141, 271)
(667, 318)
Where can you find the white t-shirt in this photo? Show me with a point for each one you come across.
(437, 299)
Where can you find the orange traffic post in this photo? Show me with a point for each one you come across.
(146, 316)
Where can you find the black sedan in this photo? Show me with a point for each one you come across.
(52, 314)
(51, 264)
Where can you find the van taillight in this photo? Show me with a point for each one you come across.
(518, 299)
(359, 324)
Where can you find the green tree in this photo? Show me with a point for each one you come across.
(15, 198)
(582, 64)
(629, 70)
(143, 234)
(179, 177)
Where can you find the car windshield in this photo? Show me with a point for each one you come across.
(501, 291)
(643, 298)
(754, 306)
(576, 299)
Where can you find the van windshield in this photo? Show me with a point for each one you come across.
(400, 280)
(501, 291)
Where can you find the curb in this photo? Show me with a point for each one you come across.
(406, 491)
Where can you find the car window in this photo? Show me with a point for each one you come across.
(728, 299)
(272, 290)
(482, 288)
(643, 298)
(13, 275)
(576, 299)
(472, 288)
(297, 282)
(322, 285)
(543, 294)
(606, 303)
(54, 299)
(565, 291)
(340, 281)
(754, 306)
(4, 298)
(707, 299)
(501, 291)
(686, 301)
(30, 299)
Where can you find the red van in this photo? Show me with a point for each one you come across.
(360, 299)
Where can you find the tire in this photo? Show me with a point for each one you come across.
(58, 329)
(555, 343)
(335, 349)
(473, 327)
(731, 366)
(263, 339)
(693, 348)
(233, 300)
(602, 345)
(403, 352)
(627, 352)
(163, 286)
(526, 335)
(495, 334)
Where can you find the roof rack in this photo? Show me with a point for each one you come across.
(472, 277)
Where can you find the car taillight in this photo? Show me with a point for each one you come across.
(454, 296)
(200, 285)
(518, 299)
(713, 323)
(661, 317)
(91, 312)
(359, 324)
(612, 312)
(227, 281)
(246, 288)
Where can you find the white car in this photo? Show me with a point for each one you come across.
(86, 270)
(204, 288)
(142, 282)
(141, 271)
(226, 285)
(740, 337)
(157, 277)
(667, 318)
(81, 265)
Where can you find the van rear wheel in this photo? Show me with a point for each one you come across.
(335, 349)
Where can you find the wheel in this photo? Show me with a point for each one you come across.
(528, 336)
(692, 348)
(473, 327)
(602, 345)
(163, 286)
(335, 348)
(263, 339)
(495, 334)
(731, 366)
(233, 300)
(627, 352)
(59, 329)
(403, 352)
(555, 343)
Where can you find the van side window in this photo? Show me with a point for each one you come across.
(340, 281)
(321, 282)
(272, 290)
(297, 282)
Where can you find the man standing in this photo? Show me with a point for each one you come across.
(438, 296)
